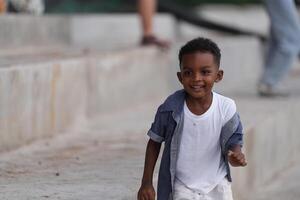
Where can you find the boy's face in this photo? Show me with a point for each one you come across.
(198, 74)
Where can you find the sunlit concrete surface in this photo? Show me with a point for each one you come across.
(44, 98)
(101, 160)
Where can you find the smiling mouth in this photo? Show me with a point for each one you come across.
(197, 87)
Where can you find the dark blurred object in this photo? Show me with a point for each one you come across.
(35, 7)
(90, 6)
(181, 9)
(199, 2)
(96, 6)
(181, 13)
(153, 40)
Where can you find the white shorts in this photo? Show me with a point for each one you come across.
(221, 192)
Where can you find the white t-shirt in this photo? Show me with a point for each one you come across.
(199, 164)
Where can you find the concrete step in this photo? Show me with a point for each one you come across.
(49, 81)
(115, 31)
(41, 99)
(19, 30)
(101, 32)
(30, 55)
(249, 17)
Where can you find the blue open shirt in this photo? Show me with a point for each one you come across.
(167, 127)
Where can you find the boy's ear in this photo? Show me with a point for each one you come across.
(219, 76)
(179, 77)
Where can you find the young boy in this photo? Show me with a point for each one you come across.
(201, 130)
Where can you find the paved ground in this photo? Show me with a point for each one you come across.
(285, 186)
(87, 167)
(97, 162)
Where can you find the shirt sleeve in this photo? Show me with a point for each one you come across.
(237, 137)
(229, 110)
(157, 130)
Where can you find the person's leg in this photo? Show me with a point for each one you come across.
(284, 40)
(3, 6)
(147, 9)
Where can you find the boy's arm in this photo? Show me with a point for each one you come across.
(146, 191)
(235, 156)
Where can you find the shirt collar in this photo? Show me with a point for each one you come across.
(174, 102)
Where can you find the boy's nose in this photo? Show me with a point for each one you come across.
(197, 77)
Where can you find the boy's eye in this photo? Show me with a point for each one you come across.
(205, 72)
(187, 73)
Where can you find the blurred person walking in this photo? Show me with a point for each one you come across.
(2, 6)
(147, 9)
(284, 45)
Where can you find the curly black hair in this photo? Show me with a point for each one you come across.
(203, 45)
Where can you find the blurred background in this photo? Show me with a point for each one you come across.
(80, 82)
(68, 6)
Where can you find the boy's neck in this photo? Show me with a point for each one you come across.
(198, 106)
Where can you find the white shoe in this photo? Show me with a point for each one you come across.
(265, 90)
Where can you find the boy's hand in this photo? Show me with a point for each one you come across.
(236, 158)
(146, 192)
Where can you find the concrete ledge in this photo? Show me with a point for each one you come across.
(245, 17)
(22, 30)
(125, 79)
(43, 99)
(271, 142)
(115, 31)
(101, 32)
(38, 100)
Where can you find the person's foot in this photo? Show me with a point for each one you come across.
(152, 40)
(265, 90)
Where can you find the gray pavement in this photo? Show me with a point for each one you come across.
(285, 186)
(101, 160)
